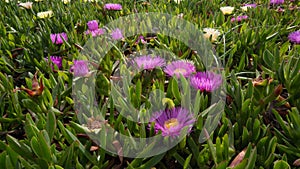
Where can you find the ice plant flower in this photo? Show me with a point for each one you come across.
(210, 32)
(276, 2)
(113, 7)
(295, 37)
(27, 5)
(239, 18)
(80, 68)
(178, 1)
(117, 34)
(92, 25)
(148, 62)
(93, 28)
(184, 67)
(56, 60)
(66, 1)
(246, 6)
(227, 10)
(171, 122)
(58, 38)
(206, 81)
(46, 14)
(141, 39)
(96, 32)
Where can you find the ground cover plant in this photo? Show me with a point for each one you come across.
(214, 83)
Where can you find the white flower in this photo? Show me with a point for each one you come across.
(45, 14)
(211, 32)
(245, 8)
(27, 5)
(66, 1)
(178, 1)
(90, 0)
(227, 10)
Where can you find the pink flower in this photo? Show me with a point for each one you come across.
(239, 18)
(56, 60)
(141, 39)
(276, 2)
(96, 32)
(114, 7)
(58, 38)
(295, 37)
(92, 25)
(117, 34)
(80, 68)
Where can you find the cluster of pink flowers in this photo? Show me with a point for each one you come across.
(94, 29)
(114, 7)
(239, 18)
(276, 2)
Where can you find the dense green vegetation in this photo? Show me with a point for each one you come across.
(258, 127)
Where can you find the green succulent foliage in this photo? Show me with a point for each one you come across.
(261, 67)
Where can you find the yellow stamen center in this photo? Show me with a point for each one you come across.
(180, 70)
(171, 123)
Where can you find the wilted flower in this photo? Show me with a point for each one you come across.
(27, 5)
(56, 60)
(184, 67)
(246, 6)
(114, 7)
(213, 33)
(80, 68)
(117, 34)
(227, 10)
(295, 37)
(171, 122)
(148, 62)
(239, 18)
(58, 38)
(276, 2)
(36, 89)
(46, 14)
(206, 81)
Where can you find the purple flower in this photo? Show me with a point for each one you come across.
(114, 7)
(239, 18)
(80, 68)
(93, 28)
(206, 81)
(184, 67)
(141, 39)
(148, 62)
(295, 37)
(117, 34)
(250, 5)
(92, 25)
(96, 32)
(56, 60)
(276, 2)
(171, 122)
(57, 38)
